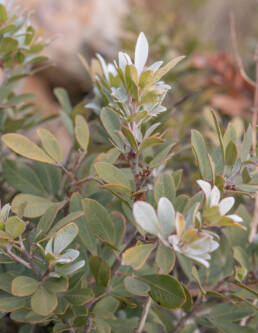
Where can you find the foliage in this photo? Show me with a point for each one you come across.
(110, 239)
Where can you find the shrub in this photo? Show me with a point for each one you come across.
(110, 240)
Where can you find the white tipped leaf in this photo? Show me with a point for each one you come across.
(166, 215)
(146, 217)
(141, 53)
(225, 205)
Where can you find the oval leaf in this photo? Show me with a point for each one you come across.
(23, 146)
(82, 132)
(50, 144)
(24, 286)
(43, 302)
(136, 256)
(111, 174)
(100, 270)
(165, 290)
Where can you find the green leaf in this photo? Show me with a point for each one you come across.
(151, 141)
(80, 296)
(72, 217)
(241, 256)
(36, 206)
(111, 123)
(136, 287)
(246, 145)
(162, 155)
(99, 221)
(165, 69)
(227, 312)
(165, 290)
(6, 281)
(165, 187)
(24, 286)
(63, 98)
(23, 146)
(11, 303)
(3, 14)
(231, 153)
(47, 220)
(86, 236)
(43, 302)
(226, 327)
(51, 145)
(15, 227)
(102, 326)
(201, 153)
(82, 132)
(189, 301)
(130, 137)
(22, 178)
(64, 237)
(136, 256)
(8, 44)
(165, 258)
(218, 130)
(56, 285)
(100, 270)
(111, 174)
(196, 276)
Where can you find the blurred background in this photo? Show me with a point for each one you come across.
(199, 29)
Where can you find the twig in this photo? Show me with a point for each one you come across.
(89, 325)
(235, 49)
(16, 258)
(187, 316)
(25, 253)
(254, 223)
(144, 315)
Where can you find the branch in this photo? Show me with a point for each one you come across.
(144, 315)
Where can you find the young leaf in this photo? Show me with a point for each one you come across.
(43, 302)
(165, 69)
(51, 145)
(136, 256)
(146, 217)
(64, 237)
(100, 270)
(82, 132)
(23, 146)
(24, 286)
(141, 53)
